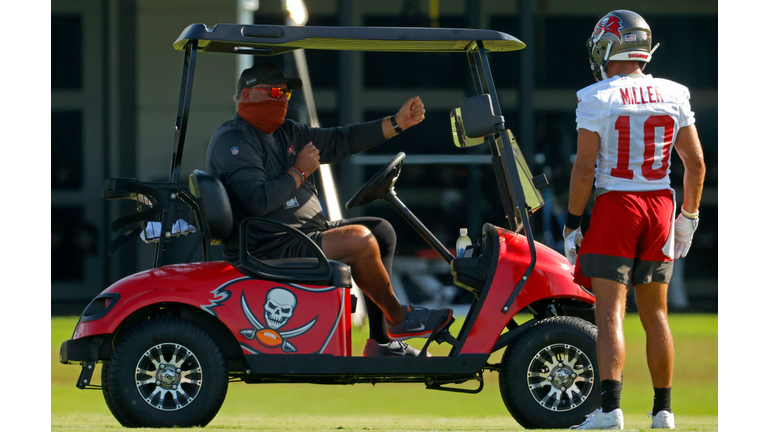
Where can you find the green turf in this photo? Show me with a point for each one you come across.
(411, 406)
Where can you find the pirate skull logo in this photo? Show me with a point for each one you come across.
(278, 308)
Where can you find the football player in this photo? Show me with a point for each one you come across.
(627, 124)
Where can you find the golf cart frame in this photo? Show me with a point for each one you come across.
(506, 270)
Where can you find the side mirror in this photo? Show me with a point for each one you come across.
(460, 138)
(474, 120)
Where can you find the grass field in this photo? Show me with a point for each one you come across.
(391, 407)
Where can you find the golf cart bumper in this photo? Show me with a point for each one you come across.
(86, 352)
(83, 350)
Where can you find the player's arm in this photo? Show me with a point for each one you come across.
(410, 114)
(583, 172)
(688, 147)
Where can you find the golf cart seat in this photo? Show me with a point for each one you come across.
(217, 224)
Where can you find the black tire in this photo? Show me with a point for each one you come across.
(124, 418)
(529, 376)
(165, 372)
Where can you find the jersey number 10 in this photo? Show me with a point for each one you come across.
(649, 154)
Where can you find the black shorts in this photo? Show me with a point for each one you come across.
(294, 248)
(289, 246)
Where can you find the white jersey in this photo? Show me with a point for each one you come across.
(637, 118)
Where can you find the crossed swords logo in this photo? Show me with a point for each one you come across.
(250, 334)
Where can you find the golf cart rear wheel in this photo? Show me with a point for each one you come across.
(166, 372)
(549, 378)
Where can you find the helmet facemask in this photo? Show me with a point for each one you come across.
(599, 50)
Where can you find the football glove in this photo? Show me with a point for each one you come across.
(684, 229)
(572, 244)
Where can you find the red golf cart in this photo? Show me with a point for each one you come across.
(171, 338)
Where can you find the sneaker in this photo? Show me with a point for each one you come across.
(662, 420)
(418, 322)
(603, 420)
(390, 349)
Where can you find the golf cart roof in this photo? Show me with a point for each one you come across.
(278, 39)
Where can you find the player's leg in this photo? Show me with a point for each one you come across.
(604, 264)
(356, 246)
(652, 308)
(611, 300)
(651, 275)
(610, 306)
(386, 238)
(378, 343)
(659, 349)
(605, 261)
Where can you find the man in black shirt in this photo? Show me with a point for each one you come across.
(264, 160)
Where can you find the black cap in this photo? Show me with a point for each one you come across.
(265, 72)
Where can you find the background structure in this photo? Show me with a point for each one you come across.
(114, 93)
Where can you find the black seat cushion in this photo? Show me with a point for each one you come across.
(340, 277)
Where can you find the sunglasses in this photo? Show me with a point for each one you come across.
(276, 92)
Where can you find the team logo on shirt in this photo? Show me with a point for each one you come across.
(291, 203)
(291, 151)
(611, 24)
(234, 151)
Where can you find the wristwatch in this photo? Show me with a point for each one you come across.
(397, 127)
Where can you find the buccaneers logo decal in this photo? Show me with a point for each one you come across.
(278, 309)
(220, 295)
(609, 24)
(269, 319)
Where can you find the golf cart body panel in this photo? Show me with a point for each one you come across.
(317, 319)
(551, 279)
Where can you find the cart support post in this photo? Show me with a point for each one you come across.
(182, 116)
(171, 195)
(481, 84)
(512, 178)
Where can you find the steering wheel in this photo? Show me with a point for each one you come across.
(379, 185)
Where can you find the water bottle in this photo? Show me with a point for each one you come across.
(462, 242)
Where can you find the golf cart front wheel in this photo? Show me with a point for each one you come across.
(166, 372)
(549, 378)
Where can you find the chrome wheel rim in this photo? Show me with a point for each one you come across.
(168, 376)
(560, 377)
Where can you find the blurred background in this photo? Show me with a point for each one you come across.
(114, 96)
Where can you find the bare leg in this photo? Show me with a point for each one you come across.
(355, 246)
(652, 307)
(609, 314)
